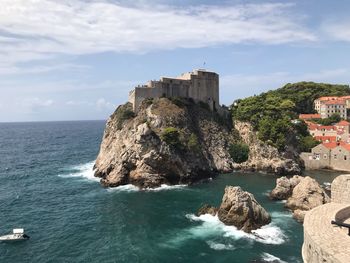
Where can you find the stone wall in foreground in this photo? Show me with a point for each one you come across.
(341, 189)
(324, 242)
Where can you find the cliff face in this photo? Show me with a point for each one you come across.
(263, 157)
(168, 141)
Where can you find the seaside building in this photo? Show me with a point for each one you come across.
(327, 106)
(329, 155)
(199, 85)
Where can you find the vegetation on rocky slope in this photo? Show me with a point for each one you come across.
(272, 113)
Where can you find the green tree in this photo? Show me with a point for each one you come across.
(239, 152)
(171, 136)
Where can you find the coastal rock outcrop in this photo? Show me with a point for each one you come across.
(169, 141)
(207, 209)
(240, 209)
(263, 157)
(284, 187)
(306, 195)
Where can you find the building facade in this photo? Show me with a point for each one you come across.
(331, 155)
(327, 106)
(199, 85)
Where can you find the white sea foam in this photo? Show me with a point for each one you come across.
(124, 188)
(220, 246)
(84, 171)
(165, 187)
(271, 258)
(269, 234)
(133, 188)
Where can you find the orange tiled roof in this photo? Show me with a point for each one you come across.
(345, 97)
(333, 102)
(330, 145)
(327, 98)
(326, 138)
(346, 146)
(343, 123)
(329, 127)
(309, 116)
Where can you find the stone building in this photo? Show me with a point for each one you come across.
(327, 106)
(331, 155)
(200, 85)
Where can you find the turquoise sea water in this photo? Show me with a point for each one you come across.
(47, 187)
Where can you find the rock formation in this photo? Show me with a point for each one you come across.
(307, 194)
(263, 157)
(284, 187)
(169, 141)
(207, 209)
(240, 209)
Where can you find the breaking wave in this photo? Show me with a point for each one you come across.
(84, 171)
(211, 226)
(271, 258)
(133, 188)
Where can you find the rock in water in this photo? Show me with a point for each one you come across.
(284, 187)
(166, 142)
(240, 209)
(307, 195)
(207, 209)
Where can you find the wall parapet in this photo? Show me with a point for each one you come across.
(324, 242)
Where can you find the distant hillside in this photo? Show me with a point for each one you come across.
(271, 112)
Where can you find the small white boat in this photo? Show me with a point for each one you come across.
(17, 234)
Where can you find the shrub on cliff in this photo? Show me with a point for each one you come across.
(171, 136)
(239, 152)
(193, 143)
(123, 113)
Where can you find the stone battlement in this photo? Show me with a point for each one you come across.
(323, 241)
(199, 85)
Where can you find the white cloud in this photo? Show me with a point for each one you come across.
(102, 105)
(338, 30)
(36, 29)
(32, 105)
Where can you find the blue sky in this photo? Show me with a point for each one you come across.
(77, 60)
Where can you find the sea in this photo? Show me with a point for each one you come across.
(47, 187)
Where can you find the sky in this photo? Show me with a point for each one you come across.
(78, 59)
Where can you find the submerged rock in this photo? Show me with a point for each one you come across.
(166, 142)
(284, 187)
(306, 195)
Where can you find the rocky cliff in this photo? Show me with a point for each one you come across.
(263, 157)
(168, 142)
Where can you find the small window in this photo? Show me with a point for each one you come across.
(345, 157)
(325, 156)
(335, 156)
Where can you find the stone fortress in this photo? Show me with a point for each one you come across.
(199, 85)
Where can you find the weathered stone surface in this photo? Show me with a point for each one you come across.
(306, 195)
(132, 149)
(240, 209)
(263, 157)
(207, 209)
(284, 187)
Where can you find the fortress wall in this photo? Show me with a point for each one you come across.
(341, 189)
(198, 85)
(323, 242)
